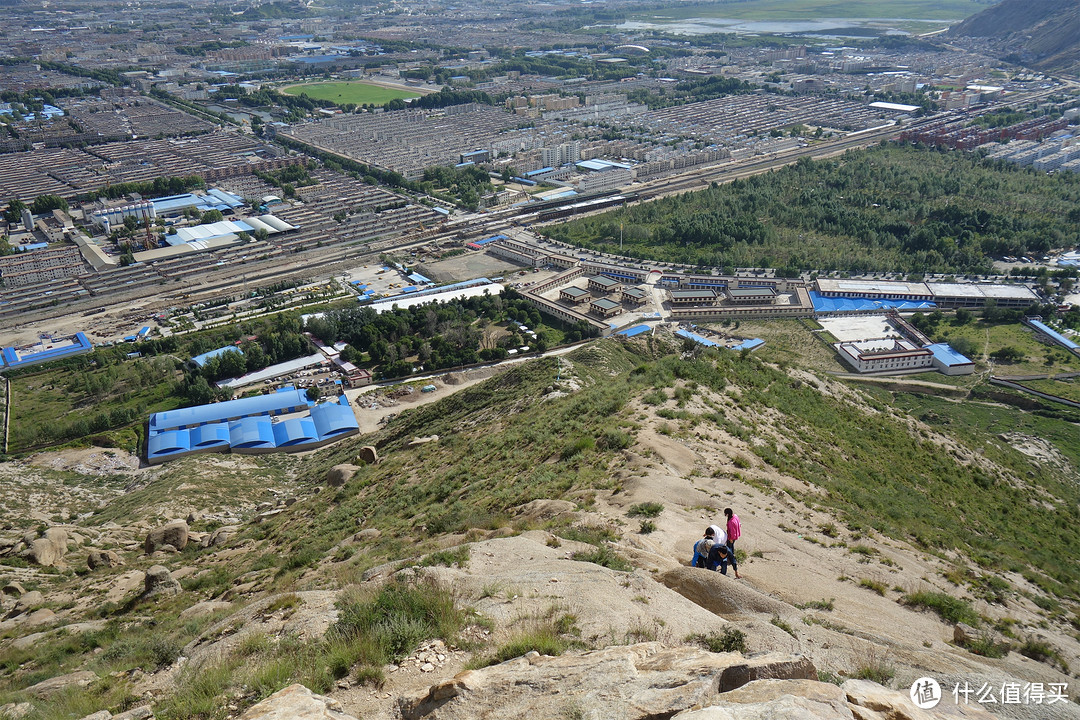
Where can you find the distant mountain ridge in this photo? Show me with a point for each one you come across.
(1043, 34)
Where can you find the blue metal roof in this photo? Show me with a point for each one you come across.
(749, 344)
(167, 443)
(636, 330)
(944, 354)
(333, 419)
(80, 344)
(208, 436)
(1057, 337)
(272, 404)
(201, 360)
(696, 338)
(251, 432)
(831, 304)
(294, 431)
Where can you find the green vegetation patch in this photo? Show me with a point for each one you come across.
(357, 93)
(886, 209)
(815, 9)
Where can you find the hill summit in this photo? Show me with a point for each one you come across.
(1044, 34)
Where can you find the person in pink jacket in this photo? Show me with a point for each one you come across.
(734, 530)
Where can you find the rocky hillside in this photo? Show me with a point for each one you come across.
(1043, 34)
(519, 548)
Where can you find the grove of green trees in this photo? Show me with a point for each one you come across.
(890, 208)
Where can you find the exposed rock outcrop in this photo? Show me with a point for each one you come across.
(340, 474)
(219, 536)
(722, 594)
(159, 581)
(49, 549)
(634, 682)
(296, 702)
(174, 533)
(82, 678)
(812, 700)
(102, 558)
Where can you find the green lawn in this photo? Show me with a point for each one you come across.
(1039, 358)
(1068, 389)
(61, 403)
(349, 92)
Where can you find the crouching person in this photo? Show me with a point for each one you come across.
(720, 556)
(703, 548)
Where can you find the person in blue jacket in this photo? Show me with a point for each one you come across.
(720, 556)
(703, 547)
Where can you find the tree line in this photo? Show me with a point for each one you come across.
(891, 208)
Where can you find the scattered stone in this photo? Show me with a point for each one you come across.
(963, 634)
(367, 534)
(219, 536)
(124, 584)
(193, 517)
(28, 641)
(29, 601)
(423, 440)
(174, 533)
(208, 607)
(103, 558)
(82, 678)
(295, 702)
(13, 589)
(427, 667)
(340, 474)
(15, 711)
(139, 713)
(268, 515)
(99, 715)
(648, 678)
(368, 454)
(159, 581)
(168, 549)
(49, 549)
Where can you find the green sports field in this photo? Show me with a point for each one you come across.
(358, 93)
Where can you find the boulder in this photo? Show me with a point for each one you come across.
(48, 549)
(208, 607)
(295, 702)
(193, 517)
(219, 537)
(174, 533)
(368, 454)
(159, 581)
(15, 711)
(340, 474)
(863, 695)
(103, 558)
(721, 594)
(367, 534)
(632, 682)
(29, 601)
(13, 589)
(139, 713)
(124, 584)
(99, 715)
(82, 678)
